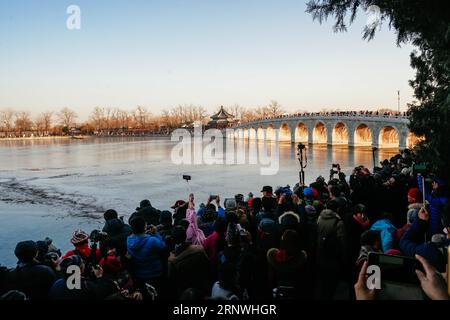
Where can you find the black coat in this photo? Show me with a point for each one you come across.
(33, 279)
(118, 233)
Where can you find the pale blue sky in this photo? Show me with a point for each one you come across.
(209, 52)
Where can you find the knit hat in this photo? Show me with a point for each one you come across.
(26, 251)
(79, 236)
(308, 192)
(415, 194)
(267, 225)
(310, 210)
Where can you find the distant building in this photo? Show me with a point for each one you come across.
(221, 119)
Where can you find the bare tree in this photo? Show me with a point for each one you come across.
(7, 120)
(142, 117)
(124, 119)
(67, 117)
(23, 122)
(237, 111)
(97, 118)
(44, 122)
(274, 109)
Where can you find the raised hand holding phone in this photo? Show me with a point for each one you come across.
(431, 281)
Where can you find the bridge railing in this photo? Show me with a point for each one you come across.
(322, 115)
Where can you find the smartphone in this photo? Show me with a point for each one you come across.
(230, 203)
(398, 277)
(186, 177)
(213, 197)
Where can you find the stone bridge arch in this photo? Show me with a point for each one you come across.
(320, 133)
(377, 131)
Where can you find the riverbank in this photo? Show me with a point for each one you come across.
(36, 138)
(82, 137)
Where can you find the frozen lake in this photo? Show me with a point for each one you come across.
(52, 187)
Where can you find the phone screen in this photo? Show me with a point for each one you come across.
(398, 277)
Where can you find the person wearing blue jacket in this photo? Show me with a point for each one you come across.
(145, 252)
(413, 242)
(437, 200)
(387, 232)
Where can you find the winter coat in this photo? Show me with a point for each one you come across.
(413, 242)
(210, 245)
(387, 233)
(436, 203)
(84, 251)
(189, 268)
(145, 251)
(33, 279)
(118, 232)
(90, 290)
(331, 241)
(289, 271)
(194, 233)
(355, 228)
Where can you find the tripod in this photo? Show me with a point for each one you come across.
(303, 160)
(374, 149)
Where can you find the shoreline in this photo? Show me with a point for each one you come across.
(35, 138)
(80, 137)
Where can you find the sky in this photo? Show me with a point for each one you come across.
(162, 53)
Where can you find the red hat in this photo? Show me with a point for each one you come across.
(79, 236)
(177, 204)
(416, 195)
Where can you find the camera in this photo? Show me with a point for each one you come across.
(186, 177)
(301, 146)
(335, 168)
(98, 236)
(213, 197)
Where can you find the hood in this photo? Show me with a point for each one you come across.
(329, 214)
(384, 224)
(136, 243)
(145, 204)
(113, 225)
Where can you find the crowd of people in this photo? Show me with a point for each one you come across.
(362, 113)
(305, 242)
